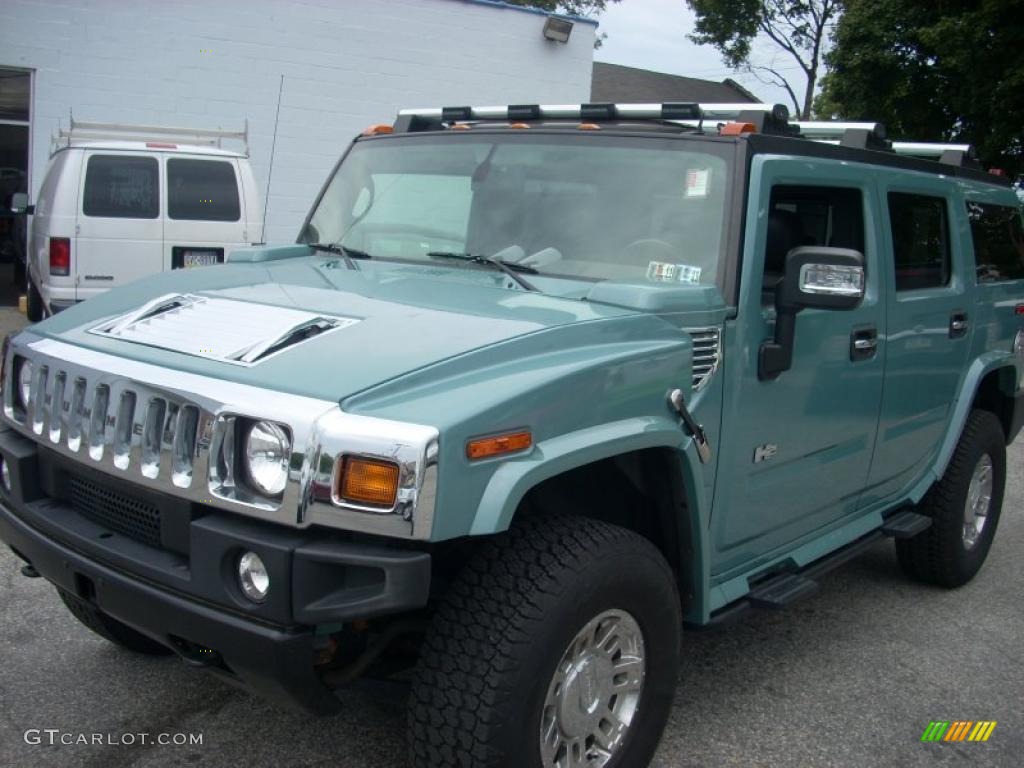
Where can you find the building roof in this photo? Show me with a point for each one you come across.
(618, 84)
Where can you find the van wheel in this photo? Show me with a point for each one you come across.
(34, 302)
(110, 628)
(964, 506)
(558, 644)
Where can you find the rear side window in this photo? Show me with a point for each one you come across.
(920, 241)
(121, 187)
(202, 190)
(998, 242)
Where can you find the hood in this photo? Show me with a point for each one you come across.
(311, 326)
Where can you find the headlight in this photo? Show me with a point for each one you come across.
(24, 381)
(267, 452)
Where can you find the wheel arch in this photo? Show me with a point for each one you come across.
(641, 474)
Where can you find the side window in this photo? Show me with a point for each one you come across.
(998, 241)
(920, 241)
(202, 190)
(827, 216)
(121, 187)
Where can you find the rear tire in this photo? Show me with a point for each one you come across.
(34, 310)
(551, 635)
(953, 549)
(110, 628)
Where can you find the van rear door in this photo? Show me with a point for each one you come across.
(204, 210)
(119, 233)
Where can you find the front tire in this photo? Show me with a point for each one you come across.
(557, 644)
(964, 506)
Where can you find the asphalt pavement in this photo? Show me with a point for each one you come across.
(849, 677)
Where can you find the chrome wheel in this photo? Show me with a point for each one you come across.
(593, 697)
(979, 501)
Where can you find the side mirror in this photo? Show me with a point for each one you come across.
(19, 203)
(816, 278)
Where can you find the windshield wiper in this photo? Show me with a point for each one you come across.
(341, 250)
(510, 268)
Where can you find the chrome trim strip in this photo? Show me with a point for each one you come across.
(128, 445)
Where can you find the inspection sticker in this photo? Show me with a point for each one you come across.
(664, 272)
(697, 182)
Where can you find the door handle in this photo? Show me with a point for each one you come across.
(863, 343)
(958, 325)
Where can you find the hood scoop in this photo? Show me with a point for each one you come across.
(226, 330)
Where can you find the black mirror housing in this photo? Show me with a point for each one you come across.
(816, 277)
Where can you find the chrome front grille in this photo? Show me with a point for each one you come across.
(125, 424)
(707, 354)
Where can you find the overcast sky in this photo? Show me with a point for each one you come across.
(651, 34)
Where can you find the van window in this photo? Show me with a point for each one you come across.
(121, 187)
(920, 241)
(202, 190)
(998, 241)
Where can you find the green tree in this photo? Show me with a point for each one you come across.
(942, 71)
(797, 28)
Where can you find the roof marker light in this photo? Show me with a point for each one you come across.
(738, 129)
(378, 129)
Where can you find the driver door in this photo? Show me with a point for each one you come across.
(797, 448)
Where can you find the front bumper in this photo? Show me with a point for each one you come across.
(183, 592)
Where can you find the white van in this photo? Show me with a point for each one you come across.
(109, 212)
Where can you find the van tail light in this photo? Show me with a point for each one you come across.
(60, 256)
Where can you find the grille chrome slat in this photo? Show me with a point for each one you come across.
(75, 414)
(123, 429)
(56, 415)
(707, 354)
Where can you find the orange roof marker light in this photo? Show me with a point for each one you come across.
(519, 125)
(738, 129)
(588, 127)
(378, 129)
(498, 445)
(459, 127)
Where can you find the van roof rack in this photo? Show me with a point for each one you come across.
(765, 118)
(90, 131)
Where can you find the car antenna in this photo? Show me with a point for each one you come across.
(270, 170)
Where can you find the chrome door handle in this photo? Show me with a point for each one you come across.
(864, 345)
(958, 325)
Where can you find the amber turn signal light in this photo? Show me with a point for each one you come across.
(365, 481)
(498, 445)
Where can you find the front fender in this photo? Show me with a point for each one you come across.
(511, 482)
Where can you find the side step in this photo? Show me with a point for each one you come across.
(904, 525)
(781, 591)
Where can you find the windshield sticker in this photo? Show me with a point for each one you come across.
(663, 272)
(697, 182)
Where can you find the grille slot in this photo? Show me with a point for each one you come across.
(121, 513)
(707, 354)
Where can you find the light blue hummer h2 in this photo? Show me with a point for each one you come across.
(537, 387)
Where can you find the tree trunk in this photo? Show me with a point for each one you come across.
(812, 79)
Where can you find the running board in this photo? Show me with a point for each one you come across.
(784, 589)
(904, 525)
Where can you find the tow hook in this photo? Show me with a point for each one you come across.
(690, 425)
(29, 571)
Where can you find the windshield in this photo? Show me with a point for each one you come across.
(601, 208)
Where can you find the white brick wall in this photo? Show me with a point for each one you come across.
(347, 63)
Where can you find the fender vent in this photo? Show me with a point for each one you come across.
(707, 354)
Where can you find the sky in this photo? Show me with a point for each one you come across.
(651, 34)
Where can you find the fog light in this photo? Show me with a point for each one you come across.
(5, 474)
(253, 577)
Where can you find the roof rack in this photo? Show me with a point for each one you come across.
(771, 118)
(765, 118)
(204, 137)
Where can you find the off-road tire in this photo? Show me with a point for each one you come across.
(35, 311)
(503, 625)
(938, 555)
(110, 628)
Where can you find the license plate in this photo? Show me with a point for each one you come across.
(193, 258)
